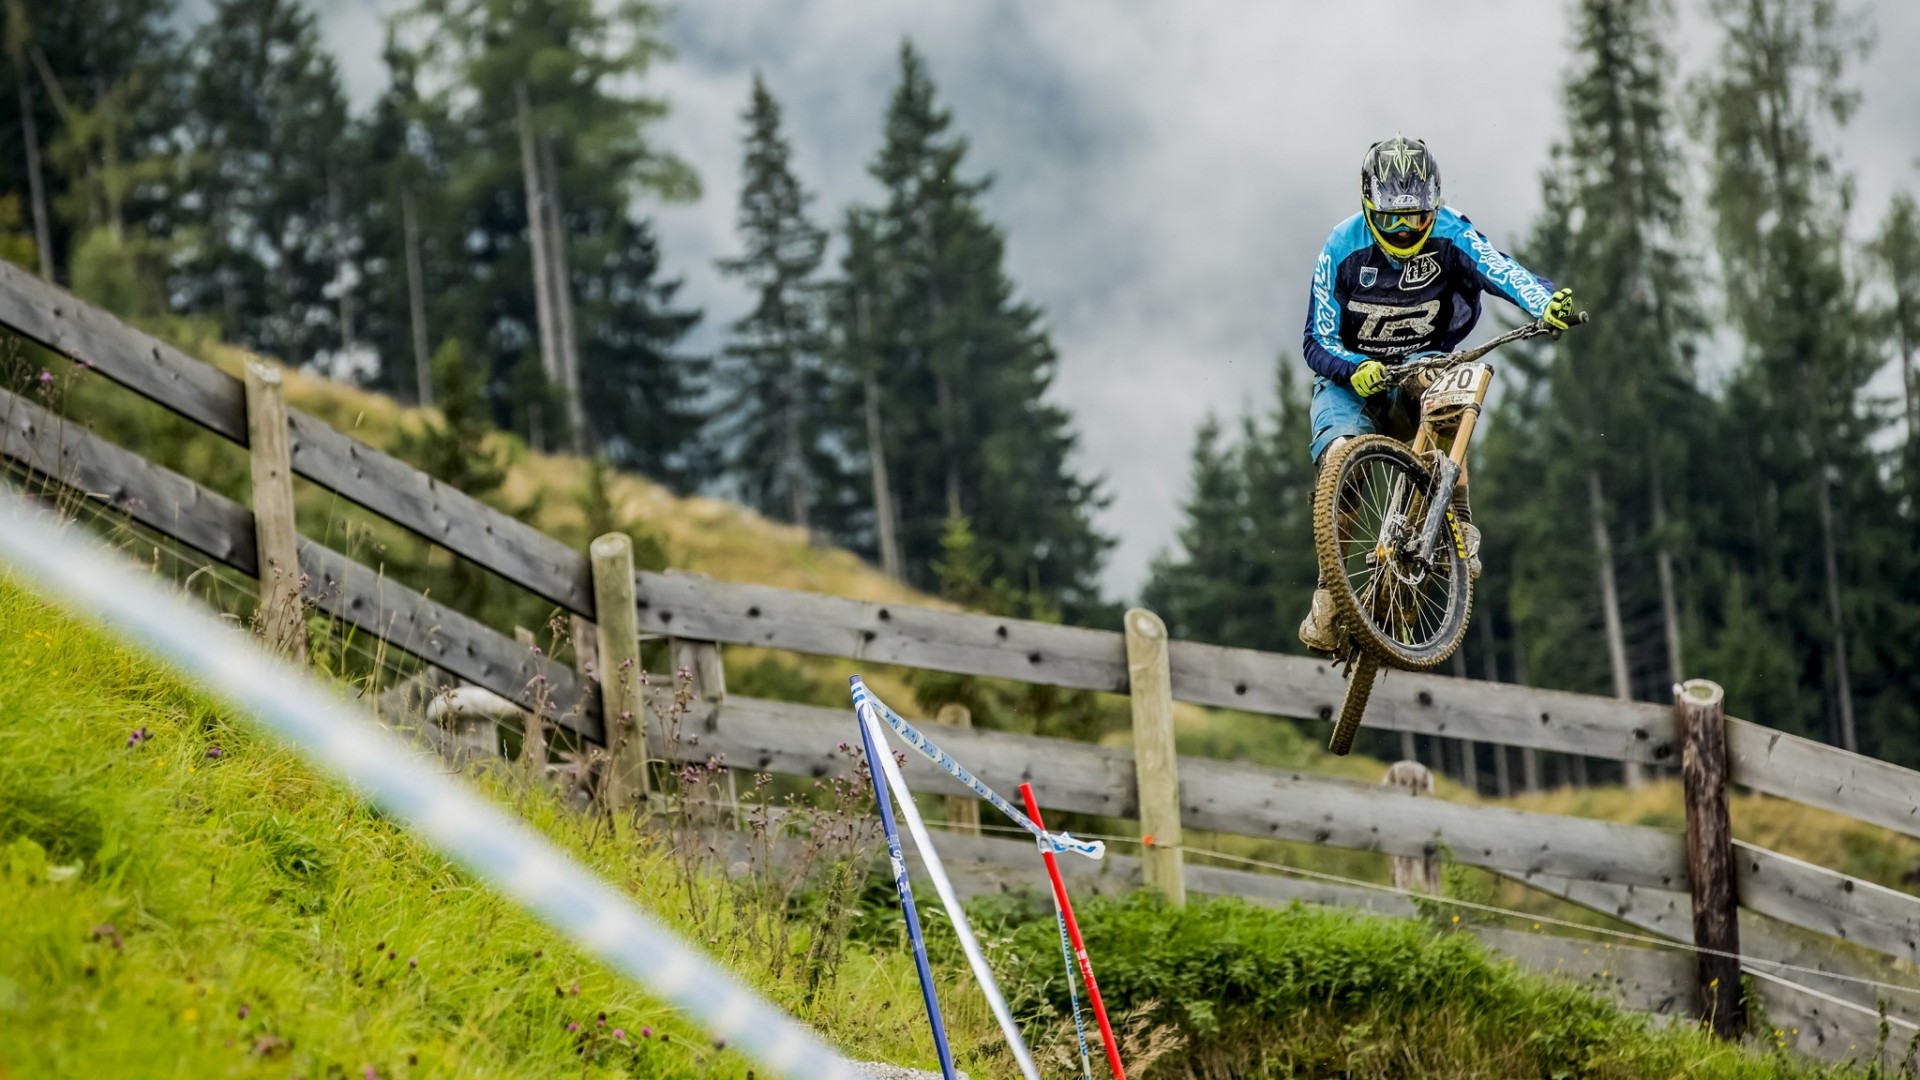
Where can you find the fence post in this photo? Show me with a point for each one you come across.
(282, 622)
(1156, 767)
(1697, 707)
(623, 708)
(1417, 873)
(963, 811)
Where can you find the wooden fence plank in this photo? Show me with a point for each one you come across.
(1827, 1027)
(1814, 897)
(151, 495)
(1668, 914)
(693, 606)
(1283, 805)
(223, 530)
(144, 364)
(446, 638)
(445, 515)
(217, 401)
(1816, 774)
(1223, 797)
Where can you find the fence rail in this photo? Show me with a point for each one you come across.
(1591, 862)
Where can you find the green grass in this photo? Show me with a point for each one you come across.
(1307, 992)
(170, 912)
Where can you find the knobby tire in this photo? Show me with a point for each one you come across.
(1366, 667)
(1335, 474)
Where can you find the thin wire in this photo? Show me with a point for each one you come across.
(1491, 909)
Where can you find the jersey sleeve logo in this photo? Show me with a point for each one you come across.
(1419, 272)
(1502, 270)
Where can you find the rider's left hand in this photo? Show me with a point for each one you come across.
(1560, 310)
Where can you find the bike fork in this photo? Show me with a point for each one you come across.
(1444, 481)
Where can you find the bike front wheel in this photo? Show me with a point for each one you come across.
(1369, 504)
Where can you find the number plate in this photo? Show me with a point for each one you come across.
(1460, 386)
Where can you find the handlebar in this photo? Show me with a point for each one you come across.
(1402, 373)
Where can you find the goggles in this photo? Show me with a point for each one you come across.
(1398, 221)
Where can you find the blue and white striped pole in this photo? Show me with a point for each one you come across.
(930, 858)
(898, 861)
(494, 846)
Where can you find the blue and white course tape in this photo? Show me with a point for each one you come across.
(491, 844)
(1092, 849)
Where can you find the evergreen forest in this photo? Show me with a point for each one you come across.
(1713, 479)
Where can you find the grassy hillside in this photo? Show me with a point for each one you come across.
(194, 902)
(186, 899)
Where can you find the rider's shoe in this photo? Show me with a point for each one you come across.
(1470, 536)
(1317, 629)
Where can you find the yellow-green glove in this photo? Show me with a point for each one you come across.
(1559, 314)
(1369, 378)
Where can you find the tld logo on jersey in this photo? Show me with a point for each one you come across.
(1387, 325)
(1419, 272)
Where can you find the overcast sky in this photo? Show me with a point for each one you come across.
(1165, 170)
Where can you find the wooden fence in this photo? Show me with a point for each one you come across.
(1634, 873)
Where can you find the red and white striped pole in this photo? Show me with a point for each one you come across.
(1073, 934)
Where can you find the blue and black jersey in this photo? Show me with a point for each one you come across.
(1368, 306)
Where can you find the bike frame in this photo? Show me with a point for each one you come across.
(1449, 428)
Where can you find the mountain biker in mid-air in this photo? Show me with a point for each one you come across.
(1400, 280)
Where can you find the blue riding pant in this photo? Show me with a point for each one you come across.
(1338, 412)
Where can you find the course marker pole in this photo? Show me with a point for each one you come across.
(950, 899)
(876, 754)
(1065, 907)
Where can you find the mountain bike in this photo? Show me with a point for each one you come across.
(1391, 553)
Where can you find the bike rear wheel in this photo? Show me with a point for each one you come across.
(1368, 505)
(1366, 668)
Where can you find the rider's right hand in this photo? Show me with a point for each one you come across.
(1369, 378)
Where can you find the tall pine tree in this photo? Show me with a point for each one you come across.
(1813, 494)
(1246, 565)
(774, 415)
(1585, 484)
(965, 369)
(579, 66)
(266, 99)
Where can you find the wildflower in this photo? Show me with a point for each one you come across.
(413, 962)
(139, 736)
(46, 377)
(573, 1026)
(369, 1074)
(620, 1033)
(719, 1042)
(646, 1031)
(243, 1012)
(392, 955)
(215, 752)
